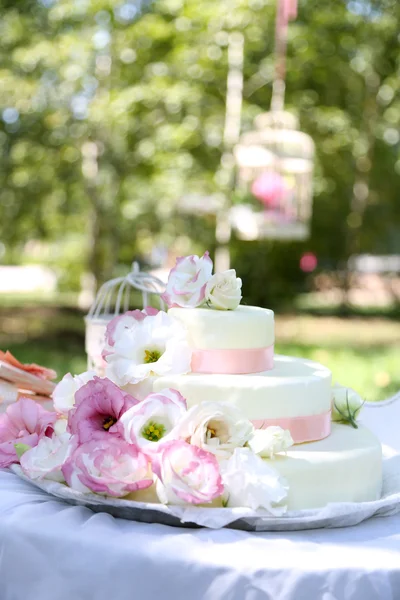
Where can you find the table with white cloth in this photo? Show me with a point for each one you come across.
(50, 550)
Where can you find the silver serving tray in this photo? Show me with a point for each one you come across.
(330, 516)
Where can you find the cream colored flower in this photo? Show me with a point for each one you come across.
(224, 290)
(250, 482)
(268, 442)
(217, 427)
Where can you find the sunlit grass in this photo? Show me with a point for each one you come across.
(374, 372)
(361, 353)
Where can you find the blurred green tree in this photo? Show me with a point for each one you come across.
(108, 119)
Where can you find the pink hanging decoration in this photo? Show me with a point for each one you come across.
(270, 189)
(288, 10)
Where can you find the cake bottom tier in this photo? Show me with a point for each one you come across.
(344, 467)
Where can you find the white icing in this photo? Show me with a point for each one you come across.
(344, 467)
(244, 327)
(295, 387)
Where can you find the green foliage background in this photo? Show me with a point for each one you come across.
(108, 119)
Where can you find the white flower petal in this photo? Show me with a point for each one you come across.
(216, 427)
(156, 333)
(268, 442)
(45, 460)
(251, 482)
(64, 392)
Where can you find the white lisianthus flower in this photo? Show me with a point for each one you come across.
(45, 460)
(216, 427)
(64, 392)
(346, 405)
(187, 281)
(268, 442)
(152, 422)
(224, 290)
(250, 482)
(155, 345)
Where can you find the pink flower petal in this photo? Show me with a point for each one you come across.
(96, 403)
(24, 422)
(97, 464)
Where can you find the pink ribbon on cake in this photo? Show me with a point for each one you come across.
(233, 362)
(302, 429)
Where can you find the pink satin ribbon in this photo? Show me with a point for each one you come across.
(234, 362)
(302, 429)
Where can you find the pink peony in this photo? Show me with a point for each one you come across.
(187, 281)
(110, 467)
(24, 422)
(187, 474)
(126, 321)
(98, 407)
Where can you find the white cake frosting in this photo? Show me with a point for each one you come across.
(344, 467)
(293, 388)
(244, 327)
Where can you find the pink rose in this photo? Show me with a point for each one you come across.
(24, 422)
(98, 407)
(187, 281)
(110, 467)
(187, 474)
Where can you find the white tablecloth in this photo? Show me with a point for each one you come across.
(53, 551)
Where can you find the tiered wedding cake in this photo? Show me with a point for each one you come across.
(192, 407)
(234, 362)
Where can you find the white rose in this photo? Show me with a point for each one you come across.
(64, 392)
(250, 482)
(268, 442)
(216, 427)
(346, 405)
(45, 460)
(224, 290)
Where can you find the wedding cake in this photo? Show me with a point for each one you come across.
(192, 406)
(233, 361)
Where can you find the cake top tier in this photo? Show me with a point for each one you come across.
(247, 327)
(209, 307)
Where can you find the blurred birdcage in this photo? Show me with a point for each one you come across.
(116, 297)
(274, 179)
